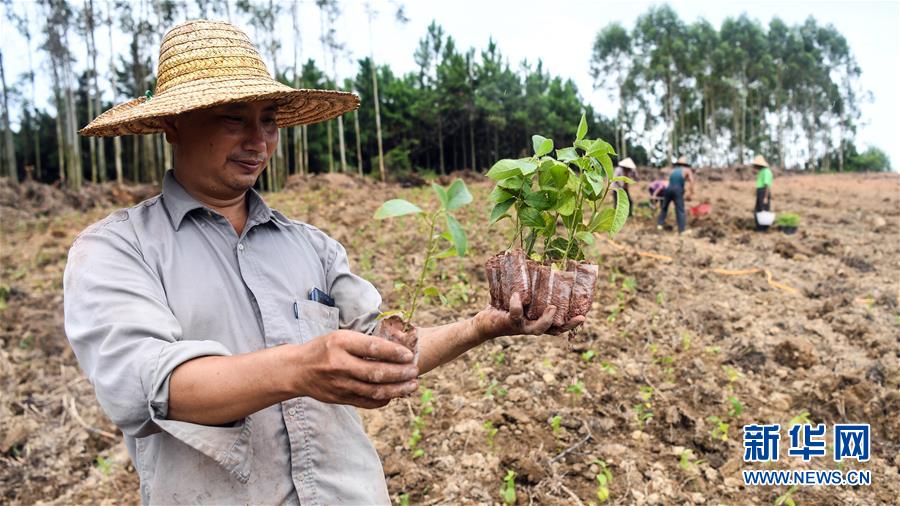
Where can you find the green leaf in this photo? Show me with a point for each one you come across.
(554, 175)
(388, 314)
(431, 291)
(582, 128)
(621, 216)
(542, 145)
(566, 154)
(594, 182)
(513, 183)
(602, 221)
(503, 169)
(458, 195)
(396, 207)
(526, 166)
(565, 203)
(585, 237)
(441, 194)
(459, 236)
(500, 209)
(607, 164)
(498, 194)
(543, 199)
(624, 179)
(447, 253)
(531, 217)
(584, 144)
(599, 147)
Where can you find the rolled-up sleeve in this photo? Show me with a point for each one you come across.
(124, 335)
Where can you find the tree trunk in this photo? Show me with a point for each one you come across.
(9, 151)
(340, 121)
(378, 121)
(440, 132)
(472, 142)
(330, 149)
(305, 140)
(117, 141)
(359, 161)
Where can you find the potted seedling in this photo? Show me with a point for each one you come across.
(397, 325)
(556, 204)
(787, 222)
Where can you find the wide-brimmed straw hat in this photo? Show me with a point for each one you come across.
(208, 63)
(627, 163)
(683, 161)
(759, 161)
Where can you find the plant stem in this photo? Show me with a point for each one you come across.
(418, 290)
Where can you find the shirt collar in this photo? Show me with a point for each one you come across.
(178, 202)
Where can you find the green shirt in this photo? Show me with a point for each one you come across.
(764, 178)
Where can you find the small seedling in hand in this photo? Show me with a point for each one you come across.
(508, 488)
(438, 245)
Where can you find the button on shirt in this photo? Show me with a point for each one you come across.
(151, 287)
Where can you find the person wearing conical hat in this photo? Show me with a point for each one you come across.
(763, 189)
(228, 343)
(680, 178)
(625, 168)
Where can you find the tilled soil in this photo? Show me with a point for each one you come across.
(682, 330)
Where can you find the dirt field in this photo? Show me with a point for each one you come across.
(677, 335)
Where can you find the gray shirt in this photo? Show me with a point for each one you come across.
(168, 280)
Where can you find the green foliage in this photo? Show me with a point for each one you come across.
(556, 425)
(542, 191)
(604, 480)
(450, 199)
(419, 423)
(787, 220)
(508, 488)
(643, 411)
(786, 499)
(872, 159)
(491, 432)
(720, 428)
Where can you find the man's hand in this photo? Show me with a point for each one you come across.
(345, 367)
(492, 322)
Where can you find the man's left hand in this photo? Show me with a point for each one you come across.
(492, 322)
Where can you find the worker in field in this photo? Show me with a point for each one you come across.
(624, 168)
(229, 343)
(763, 190)
(680, 188)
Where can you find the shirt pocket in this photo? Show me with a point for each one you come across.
(315, 319)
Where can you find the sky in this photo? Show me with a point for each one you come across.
(561, 33)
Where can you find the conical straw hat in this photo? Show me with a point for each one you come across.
(208, 63)
(628, 163)
(682, 160)
(759, 161)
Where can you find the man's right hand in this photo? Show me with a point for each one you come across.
(346, 367)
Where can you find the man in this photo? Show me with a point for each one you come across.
(189, 312)
(680, 177)
(625, 168)
(763, 189)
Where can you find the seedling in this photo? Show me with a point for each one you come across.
(493, 388)
(418, 423)
(103, 465)
(786, 499)
(542, 190)
(540, 193)
(732, 374)
(508, 488)
(588, 355)
(643, 410)
(499, 357)
(607, 368)
(787, 220)
(491, 432)
(686, 461)
(556, 425)
(576, 388)
(720, 428)
(736, 407)
(604, 480)
(404, 499)
(801, 418)
(661, 298)
(454, 237)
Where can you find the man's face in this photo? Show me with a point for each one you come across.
(221, 151)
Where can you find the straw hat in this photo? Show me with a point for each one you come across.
(759, 161)
(682, 160)
(627, 163)
(208, 63)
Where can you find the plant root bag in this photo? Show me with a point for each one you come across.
(571, 291)
(391, 328)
